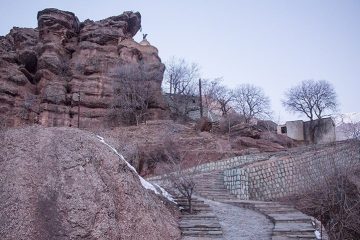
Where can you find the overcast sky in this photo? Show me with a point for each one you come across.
(272, 44)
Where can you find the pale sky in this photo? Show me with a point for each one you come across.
(273, 44)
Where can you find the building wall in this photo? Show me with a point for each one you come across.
(324, 130)
(295, 130)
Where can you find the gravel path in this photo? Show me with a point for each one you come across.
(240, 223)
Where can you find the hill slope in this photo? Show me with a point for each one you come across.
(63, 183)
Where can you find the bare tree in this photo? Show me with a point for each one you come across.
(351, 130)
(181, 76)
(133, 93)
(208, 91)
(251, 102)
(312, 98)
(347, 128)
(181, 179)
(181, 81)
(217, 96)
(184, 183)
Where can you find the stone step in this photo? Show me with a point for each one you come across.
(214, 191)
(218, 197)
(293, 227)
(298, 234)
(210, 187)
(197, 210)
(277, 211)
(200, 223)
(205, 231)
(182, 203)
(214, 194)
(202, 233)
(194, 204)
(271, 204)
(289, 222)
(290, 217)
(202, 227)
(293, 237)
(305, 236)
(185, 199)
(228, 197)
(202, 217)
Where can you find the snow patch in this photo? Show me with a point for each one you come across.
(117, 153)
(144, 183)
(148, 185)
(165, 194)
(317, 234)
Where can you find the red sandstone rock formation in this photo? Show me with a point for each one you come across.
(43, 69)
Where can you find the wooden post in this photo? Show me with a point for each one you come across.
(171, 84)
(79, 110)
(201, 106)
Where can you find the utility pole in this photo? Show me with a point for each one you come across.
(79, 110)
(171, 84)
(201, 105)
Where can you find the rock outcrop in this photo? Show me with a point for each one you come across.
(42, 70)
(63, 183)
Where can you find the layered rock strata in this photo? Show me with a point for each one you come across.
(42, 70)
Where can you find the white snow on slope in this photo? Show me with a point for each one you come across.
(144, 183)
(165, 193)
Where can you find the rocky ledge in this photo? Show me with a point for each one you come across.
(42, 70)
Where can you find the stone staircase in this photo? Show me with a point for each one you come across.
(289, 223)
(202, 223)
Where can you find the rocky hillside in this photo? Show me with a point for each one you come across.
(42, 70)
(148, 146)
(63, 183)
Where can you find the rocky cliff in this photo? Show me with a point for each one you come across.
(42, 70)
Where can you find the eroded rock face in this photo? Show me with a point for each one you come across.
(63, 183)
(43, 69)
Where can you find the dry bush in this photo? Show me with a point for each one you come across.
(203, 125)
(229, 121)
(149, 159)
(333, 197)
(133, 94)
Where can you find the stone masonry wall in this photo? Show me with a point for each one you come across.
(223, 164)
(292, 173)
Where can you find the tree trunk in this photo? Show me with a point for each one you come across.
(313, 126)
(190, 204)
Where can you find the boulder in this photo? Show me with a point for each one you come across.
(63, 183)
(245, 130)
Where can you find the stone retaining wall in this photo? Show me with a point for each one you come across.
(292, 173)
(222, 164)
